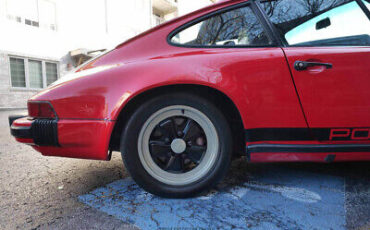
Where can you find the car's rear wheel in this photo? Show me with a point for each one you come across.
(177, 145)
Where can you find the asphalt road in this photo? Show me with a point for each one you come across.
(39, 192)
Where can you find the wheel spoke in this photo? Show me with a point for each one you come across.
(174, 164)
(168, 129)
(190, 130)
(195, 153)
(159, 148)
(174, 127)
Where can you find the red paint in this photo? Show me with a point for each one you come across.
(23, 122)
(25, 141)
(307, 157)
(287, 157)
(81, 139)
(257, 80)
(337, 97)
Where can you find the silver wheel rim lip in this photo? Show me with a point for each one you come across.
(208, 160)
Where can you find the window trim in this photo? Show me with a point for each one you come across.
(256, 12)
(268, 22)
(282, 40)
(364, 7)
(26, 72)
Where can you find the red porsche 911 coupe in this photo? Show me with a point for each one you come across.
(275, 81)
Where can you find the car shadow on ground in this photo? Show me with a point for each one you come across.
(255, 196)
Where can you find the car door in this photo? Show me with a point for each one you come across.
(327, 46)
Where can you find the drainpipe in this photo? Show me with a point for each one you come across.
(151, 12)
(106, 15)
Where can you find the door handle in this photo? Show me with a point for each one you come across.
(303, 65)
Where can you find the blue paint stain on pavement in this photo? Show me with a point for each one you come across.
(278, 199)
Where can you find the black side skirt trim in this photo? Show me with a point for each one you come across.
(298, 134)
(273, 148)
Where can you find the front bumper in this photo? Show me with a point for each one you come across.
(42, 132)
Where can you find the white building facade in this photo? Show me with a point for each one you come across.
(41, 40)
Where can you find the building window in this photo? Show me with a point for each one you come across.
(17, 72)
(35, 74)
(32, 74)
(51, 73)
(35, 13)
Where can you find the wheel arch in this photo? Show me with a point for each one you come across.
(218, 98)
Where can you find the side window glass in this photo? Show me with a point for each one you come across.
(319, 23)
(239, 27)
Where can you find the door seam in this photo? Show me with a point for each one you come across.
(296, 90)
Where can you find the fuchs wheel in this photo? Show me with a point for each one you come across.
(177, 145)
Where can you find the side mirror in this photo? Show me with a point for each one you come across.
(323, 24)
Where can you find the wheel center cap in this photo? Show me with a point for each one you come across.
(178, 146)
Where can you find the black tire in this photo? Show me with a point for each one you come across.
(130, 149)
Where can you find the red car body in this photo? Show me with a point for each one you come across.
(287, 115)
